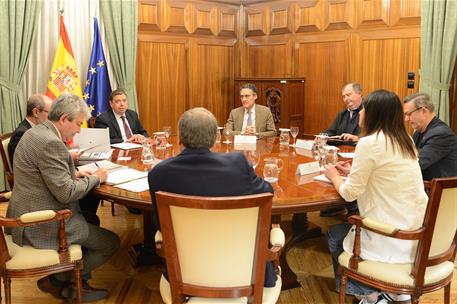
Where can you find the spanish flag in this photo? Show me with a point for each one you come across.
(64, 76)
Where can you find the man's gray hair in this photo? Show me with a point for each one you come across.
(357, 87)
(249, 86)
(421, 100)
(69, 104)
(197, 129)
(35, 101)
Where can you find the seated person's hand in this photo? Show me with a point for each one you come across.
(331, 172)
(102, 174)
(349, 137)
(249, 130)
(343, 167)
(75, 155)
(136, 138)
(80, 174)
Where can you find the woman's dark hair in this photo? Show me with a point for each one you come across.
(384, 112)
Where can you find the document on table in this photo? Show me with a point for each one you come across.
(106, 164)
(323, 178)
(346, 154)
(94, 156)
(138, 185)
(124, 175)
(126, 146)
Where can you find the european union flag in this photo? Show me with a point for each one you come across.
(97, 90)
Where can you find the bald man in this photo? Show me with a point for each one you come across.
(38, 106)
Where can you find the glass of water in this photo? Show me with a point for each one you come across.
(294, 132)
(270, 172)
(146, 154)
(167, 130)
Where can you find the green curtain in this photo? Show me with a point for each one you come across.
(438, 51)
(121, 27)
(18, 24)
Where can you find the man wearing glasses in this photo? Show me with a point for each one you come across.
(251, 118)
(435, 141)
(38, 106)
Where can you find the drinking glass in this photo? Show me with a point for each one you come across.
(284, 137)
(253, 157)
(146, 154)
(160, 139)
(270, 172)
(273, 160)
(332, 155)
(218, 134)
(227, 132)
(167, 130)
(294, 132)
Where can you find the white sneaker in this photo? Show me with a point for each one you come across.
(391, 297)
(380, 300)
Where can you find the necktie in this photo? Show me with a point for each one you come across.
(128, 133)
(249, 120)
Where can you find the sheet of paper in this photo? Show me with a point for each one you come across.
(138, 185)
(245, 139)
(126, 146)
(323, 178)
(86, 156)
(106, 164)
(346, 154)
(124, 175)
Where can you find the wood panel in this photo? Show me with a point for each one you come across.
(161, 83)
(211, 76)
(324, 64)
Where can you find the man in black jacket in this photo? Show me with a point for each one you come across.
(435, 141)
(124, 124)
(346, 124)
(38, 106)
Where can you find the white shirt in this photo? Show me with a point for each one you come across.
(245, 119)
(389, 189)
(30, 122)
(121, 125)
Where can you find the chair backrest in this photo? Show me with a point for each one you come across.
(5, 139)
(439, 242)
(215, 246)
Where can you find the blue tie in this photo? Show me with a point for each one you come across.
(249, 120)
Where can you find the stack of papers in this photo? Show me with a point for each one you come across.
(323, 178)
(106, 164)
(126, 146)
(137, 185)
(124, 175)
(87, 156)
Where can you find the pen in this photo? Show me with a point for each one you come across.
(97, 165)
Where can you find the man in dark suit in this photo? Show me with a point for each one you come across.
(346, 124)
(124, 124)
(198, 171)
(38, 106)
(436, 142)
(46, 179)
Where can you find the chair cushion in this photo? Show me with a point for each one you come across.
(27, 257)
(398, 273)
(270, 295)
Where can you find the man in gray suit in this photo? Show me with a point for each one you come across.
(251, 118)
(45, 178)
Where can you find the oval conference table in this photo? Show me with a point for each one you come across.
(294, 194)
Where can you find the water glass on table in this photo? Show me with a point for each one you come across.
(294, 132)
(167, 130)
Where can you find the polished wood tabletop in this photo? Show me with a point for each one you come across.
(293, 193)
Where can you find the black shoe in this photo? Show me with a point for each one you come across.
(89, 293)
(52, 286)
(134, 210)
(332, 211)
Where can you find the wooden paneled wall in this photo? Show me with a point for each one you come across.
(186, 58)
(330, 42)
(189, 52)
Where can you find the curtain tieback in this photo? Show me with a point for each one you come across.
(9, 85)
(437, 85)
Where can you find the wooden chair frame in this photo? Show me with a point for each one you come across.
(64, 256)
(262, 253)
(6, 163)
(422, 259)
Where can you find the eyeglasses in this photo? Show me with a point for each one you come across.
(408, 114)
(245, 96)
(44, 111)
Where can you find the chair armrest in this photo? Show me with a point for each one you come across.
(386, 229)
(5, 196)
(159, 243)
(37, 216)
(277, 237)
